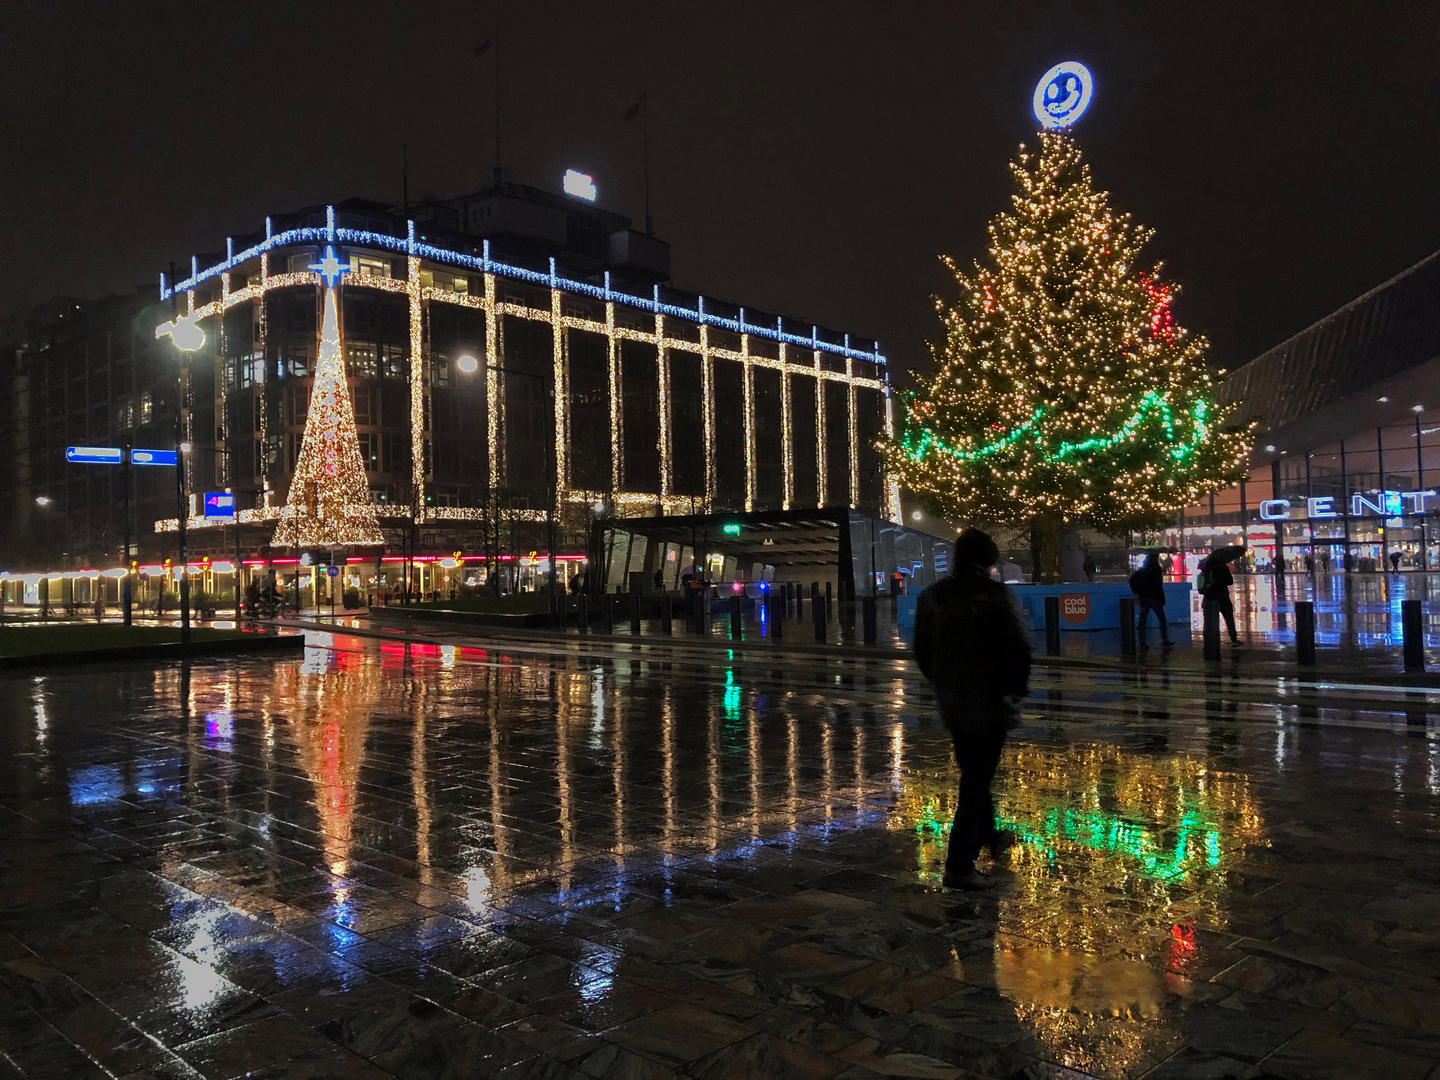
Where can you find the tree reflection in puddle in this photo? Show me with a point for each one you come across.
(1120, 854)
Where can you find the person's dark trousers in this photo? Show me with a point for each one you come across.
(977, 752)
(1159, 610)
(1226, 607)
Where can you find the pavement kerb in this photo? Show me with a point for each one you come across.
(165, 651)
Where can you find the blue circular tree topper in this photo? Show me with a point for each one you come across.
(1063, 94)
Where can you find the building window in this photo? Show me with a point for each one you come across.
(369, 264)
(362, 398)
(370, 450)
(392, 361)
(299, 263)
(297, 360)
(146, 407)
(438, 279)
(361, 361)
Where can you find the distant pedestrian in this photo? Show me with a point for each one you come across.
(1148, 585)
(1309, 564)
(1394, 562)
(970, 644)
(659, 579)
(1215, 582)
(1089, 567)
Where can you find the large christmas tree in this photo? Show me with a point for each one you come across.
(1065, 392)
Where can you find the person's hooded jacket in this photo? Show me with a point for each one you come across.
(970, 644)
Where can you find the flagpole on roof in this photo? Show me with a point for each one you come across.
(645, 152)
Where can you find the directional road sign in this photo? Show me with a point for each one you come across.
(153, 457)
(94, 455)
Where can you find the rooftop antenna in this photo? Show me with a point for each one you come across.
(641, 109)
(491, 47)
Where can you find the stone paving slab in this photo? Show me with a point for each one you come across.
(527, 861)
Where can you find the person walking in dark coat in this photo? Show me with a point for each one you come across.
(1216, 589)
(1148, 585)
(971, 645)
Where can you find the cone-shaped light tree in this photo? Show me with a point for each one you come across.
(1065, 392)
(329, 500)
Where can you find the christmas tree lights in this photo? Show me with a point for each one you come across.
(1065, 391)
(329, 499)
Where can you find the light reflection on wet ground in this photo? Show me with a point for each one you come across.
(441, 860)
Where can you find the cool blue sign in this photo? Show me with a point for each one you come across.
(153, 457)
(94, 455)
(1062, 94)
(219, 504)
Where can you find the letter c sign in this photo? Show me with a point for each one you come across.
(1274, 509)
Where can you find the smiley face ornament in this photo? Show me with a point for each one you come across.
(1062, 95)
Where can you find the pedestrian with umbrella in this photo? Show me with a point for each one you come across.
(1215, 581)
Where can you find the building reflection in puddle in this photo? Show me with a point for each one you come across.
(1120, 856)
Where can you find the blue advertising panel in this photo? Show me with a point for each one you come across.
(153, 457)
(219, 504)
(94, 455)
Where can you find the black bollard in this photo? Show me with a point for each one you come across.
(582, 613)
(817, 616)
(1052, 626)
(667, 616)
(1127, 626)
(634, 613)
(607, 613)
(1412, 624)
(871, 629)
(1304, 633)
(799, 603)
(829, 602)
(1210, 632)
(776, 613)
(736, 618)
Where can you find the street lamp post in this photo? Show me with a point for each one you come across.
(187, 337)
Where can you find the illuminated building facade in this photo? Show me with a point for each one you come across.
(495, 340)
(1346, 454)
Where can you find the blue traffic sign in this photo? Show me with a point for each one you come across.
(333, 570)
(154, 457)
(219, 504)
(94, 455)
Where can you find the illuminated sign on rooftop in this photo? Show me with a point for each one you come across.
(579, 184)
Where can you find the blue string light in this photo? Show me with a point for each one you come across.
(408, 245)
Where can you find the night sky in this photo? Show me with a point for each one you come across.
(807, 158)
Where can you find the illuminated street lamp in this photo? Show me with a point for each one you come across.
(467, 365)
(43, 500)
(187, 337)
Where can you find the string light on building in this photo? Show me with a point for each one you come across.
(669, 327)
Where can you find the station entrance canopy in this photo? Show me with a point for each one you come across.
(829, 545)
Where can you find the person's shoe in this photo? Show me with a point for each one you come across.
(1167, 644)
(1236, 641)
(970, 881)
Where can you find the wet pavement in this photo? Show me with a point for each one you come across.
(660, 859)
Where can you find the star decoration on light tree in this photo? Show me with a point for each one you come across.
(330, 268)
